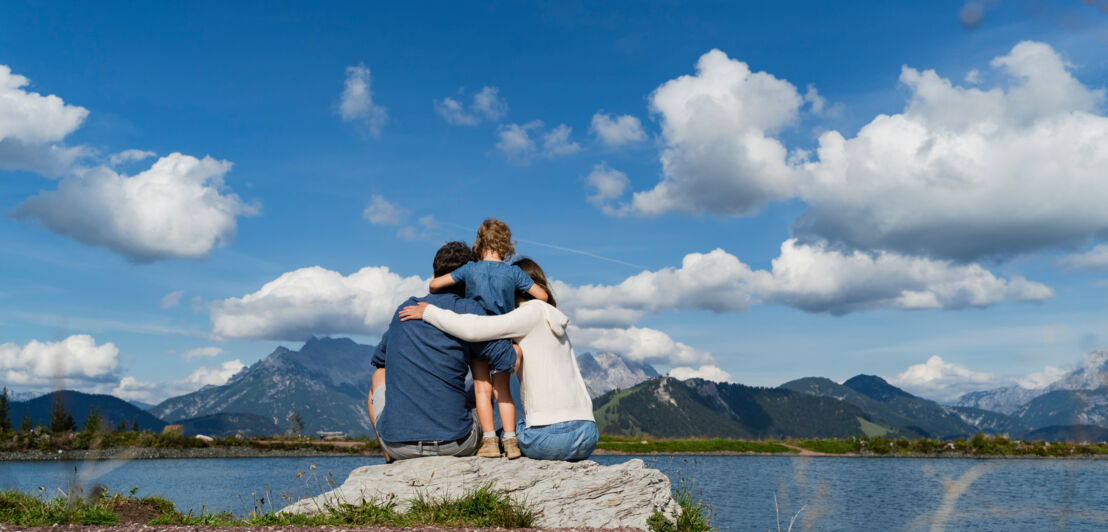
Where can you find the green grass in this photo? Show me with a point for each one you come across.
(636, 445)
(872, 429)
(827, 446)
(40, 440)
(482, 507)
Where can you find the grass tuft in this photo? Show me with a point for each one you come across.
(482, 507)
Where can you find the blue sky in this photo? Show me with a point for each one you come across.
(956, 219)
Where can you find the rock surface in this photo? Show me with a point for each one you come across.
(580, 494)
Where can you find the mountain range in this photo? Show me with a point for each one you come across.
(326, 382)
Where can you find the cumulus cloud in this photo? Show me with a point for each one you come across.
(487, 105)
(172, 299)
(817, 278)
(203, 352)
(316, 301)
(76, 360)
(707, 372)
(176, 209)
(616, 131)
(813, 278)
(518, 147)
(356, 104)
(381, 212)
(718, 155)
(1008, 170)
(420, 231)
(606, 184)
(1094, 260)
(30, 126)
(640, 344)
(131, 389)
(214, 376)
(127, 156)
(944, 381)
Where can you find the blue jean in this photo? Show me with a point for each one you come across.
(570, 440)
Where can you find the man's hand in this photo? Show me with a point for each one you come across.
(414, 312)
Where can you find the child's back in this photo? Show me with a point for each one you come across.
(493, 284)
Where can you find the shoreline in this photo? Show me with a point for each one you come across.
(157, 453)
(162, 453)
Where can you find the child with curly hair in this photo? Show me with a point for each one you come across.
(494, 284)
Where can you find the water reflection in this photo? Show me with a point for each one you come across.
(746, 493)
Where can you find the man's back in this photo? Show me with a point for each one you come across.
(425, 395)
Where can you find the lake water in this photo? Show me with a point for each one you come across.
(836, 493)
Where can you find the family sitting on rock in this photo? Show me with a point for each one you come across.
(486, 315)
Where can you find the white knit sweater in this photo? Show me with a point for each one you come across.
(550, 382)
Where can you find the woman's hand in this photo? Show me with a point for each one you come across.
(413, 312)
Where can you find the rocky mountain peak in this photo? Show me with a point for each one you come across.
(604, 372)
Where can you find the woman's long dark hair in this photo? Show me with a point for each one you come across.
(532, 269)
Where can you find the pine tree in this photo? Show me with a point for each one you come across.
(134, 424)
(122, 426)
(26, 424)
(61, 419)
(296, 425)
(5, 412)
(94, 423)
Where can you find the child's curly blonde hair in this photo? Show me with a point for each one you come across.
(494, 235)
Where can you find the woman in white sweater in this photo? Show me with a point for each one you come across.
(559, 424)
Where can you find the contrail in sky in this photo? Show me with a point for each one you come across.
(562, 248)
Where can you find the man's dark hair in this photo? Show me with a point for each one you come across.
(449, 258)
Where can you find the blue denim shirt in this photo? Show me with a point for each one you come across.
(493, 284)
(425, 381)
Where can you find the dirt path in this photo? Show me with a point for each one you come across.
(807, 452)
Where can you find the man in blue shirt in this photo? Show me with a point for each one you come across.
(419, 406)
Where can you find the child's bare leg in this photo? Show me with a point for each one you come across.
(502, 392)
(483, 392)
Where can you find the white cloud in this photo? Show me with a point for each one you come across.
(74, 361)
(816, 103)
(214, 376)
(515, 141)
(1041, 379)
(31, 117)
(556, 143)
(203, 352)
(973, 77)
(819, 279)
(516, 144)
(176, 209)
(356, 104)
(316, 301)
(617, 131)
(640, 344)
(1009, 170)
(127, 156)
(1094, 259)
(381, 212)
(811, 278)
(487, 105)
(944, 381)
(707, 372)
(606, 184)
(426, 224)
(132, 389)
(172, 299)
(719, 156)
(31, 124)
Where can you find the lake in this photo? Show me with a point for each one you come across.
(836, 493)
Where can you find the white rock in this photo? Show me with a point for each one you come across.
(579, 494)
